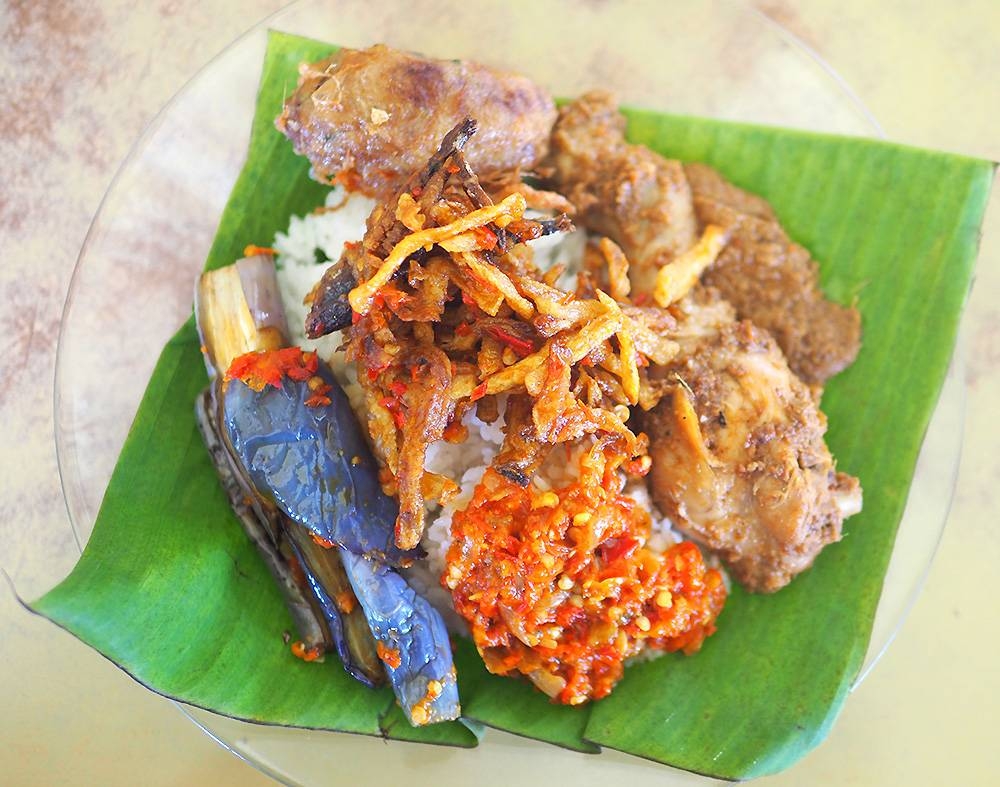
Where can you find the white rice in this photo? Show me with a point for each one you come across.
(298, 272)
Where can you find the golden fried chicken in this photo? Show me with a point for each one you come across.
(369, 118)
(739, 461)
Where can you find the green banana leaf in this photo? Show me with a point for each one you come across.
(171, 590)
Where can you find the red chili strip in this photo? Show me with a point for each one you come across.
(521, 346)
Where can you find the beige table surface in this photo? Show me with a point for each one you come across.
(79, 83)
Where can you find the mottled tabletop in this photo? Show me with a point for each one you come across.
(79, 83)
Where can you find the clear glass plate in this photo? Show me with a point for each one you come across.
(132, 286)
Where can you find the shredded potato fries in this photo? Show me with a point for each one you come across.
(361, 297)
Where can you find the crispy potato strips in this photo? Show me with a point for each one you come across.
(676, 279)
(450, 312)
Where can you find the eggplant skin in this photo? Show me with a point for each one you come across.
(353, 644)
(414, 638)
(315, 464)
(312, 630)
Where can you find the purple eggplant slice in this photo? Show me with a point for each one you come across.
(312, 629)
(320, 620)
(413, 641)
(324, 574)
(314, 462)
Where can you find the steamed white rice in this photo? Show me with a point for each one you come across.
(298, 272)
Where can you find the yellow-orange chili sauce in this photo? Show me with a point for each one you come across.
(560, 586)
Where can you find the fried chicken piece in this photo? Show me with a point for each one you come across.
(368, 118)
(654, 208)
(739, 461)
(773, 281)
(636, 197)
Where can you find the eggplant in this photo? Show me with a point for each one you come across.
(304, 484)
(311, 590)
(239, 310)
(350, 635)
(311, 628)
(413, 640)
(315, 463)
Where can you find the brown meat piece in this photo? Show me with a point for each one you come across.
(368, 118)
(773, 281)
(653, 208)
(709, 186)
(739, 461)
(637, 198)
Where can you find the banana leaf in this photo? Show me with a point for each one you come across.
(170, 589)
